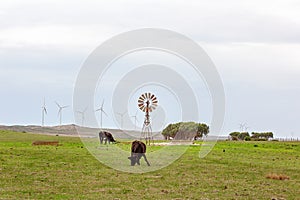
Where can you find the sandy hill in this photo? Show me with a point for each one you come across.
(72, 130)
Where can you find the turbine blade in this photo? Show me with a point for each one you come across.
(57, 104)
(104, 113)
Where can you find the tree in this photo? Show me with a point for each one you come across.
(239, 135)
(243, 135)
(203, 129)
(186, 128)
(264, 135)
(234, 134)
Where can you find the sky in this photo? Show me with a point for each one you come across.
(255, 46)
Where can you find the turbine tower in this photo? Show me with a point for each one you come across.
(60, 109)
(82, 113)
(44, 111)
(122, 115)
(135, 120)
(101, 112)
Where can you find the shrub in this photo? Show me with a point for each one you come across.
(235, 138)
(247, 138)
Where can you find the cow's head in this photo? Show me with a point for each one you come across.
(134, 159)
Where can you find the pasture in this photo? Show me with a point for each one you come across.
(69, 171)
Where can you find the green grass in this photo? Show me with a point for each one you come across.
(69, 171)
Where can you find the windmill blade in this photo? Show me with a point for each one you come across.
(64, 106)
(57, 104)
(102, 103)
(141, 104)
(45, 110)
(59, 111)
(104, 112)
(79, 112)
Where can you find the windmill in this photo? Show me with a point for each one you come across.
(44, 111)
(60, 109)
(82, 113)
(122, 115)
(242, 127)
(101, 111)
(135, 120)
(147, 103)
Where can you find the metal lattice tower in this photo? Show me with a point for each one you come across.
(147, 103)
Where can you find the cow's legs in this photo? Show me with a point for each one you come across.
(146, 159)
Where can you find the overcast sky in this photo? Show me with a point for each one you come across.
(255, 46)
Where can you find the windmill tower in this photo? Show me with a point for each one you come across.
(82, 113)
(44, 111)
(147, 103)
(60, 109)
(135, 120)
(101, 109)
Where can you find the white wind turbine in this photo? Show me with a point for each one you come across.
(82, 113)
(60, 109)
(101, 111)
(44, 111)
(242, 126)
(122, 115)
(135, 120)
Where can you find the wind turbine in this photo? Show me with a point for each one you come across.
(246, 128)
(44, 111)
(135, 120)
(60, 108)
(101, 111)
(82, 113)
(122, 115)
(242, 126)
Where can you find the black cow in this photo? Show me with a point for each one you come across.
(106, 136)
(138, 149)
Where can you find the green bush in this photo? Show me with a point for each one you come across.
(247, 138)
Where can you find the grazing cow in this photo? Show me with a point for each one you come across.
(106, 136)
(138, 149)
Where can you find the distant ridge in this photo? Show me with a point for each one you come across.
(71, 130)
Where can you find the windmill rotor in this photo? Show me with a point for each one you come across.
(147, 102)
(59, 113)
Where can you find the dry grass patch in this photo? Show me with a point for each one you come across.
(277, 176)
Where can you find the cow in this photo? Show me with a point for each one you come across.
(106, 136)
(138, 150)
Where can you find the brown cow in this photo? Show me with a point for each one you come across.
(138, 149)
(106, 136)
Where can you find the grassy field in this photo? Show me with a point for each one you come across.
(69, 171)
